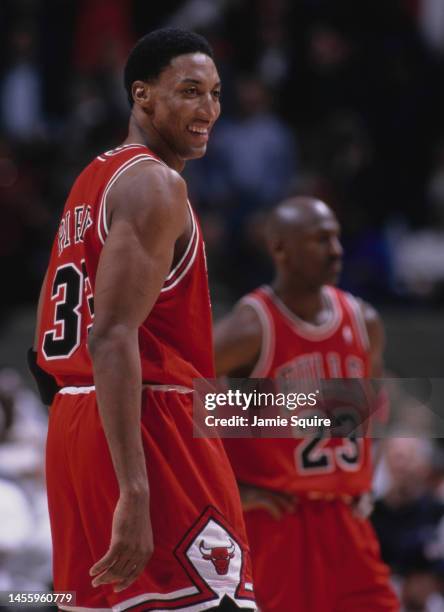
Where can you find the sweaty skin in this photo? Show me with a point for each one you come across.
(303, 240)
(150, 225)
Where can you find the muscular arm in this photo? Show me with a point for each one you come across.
(363, 507)
(149, 213)
(237, 341)
(376, 336)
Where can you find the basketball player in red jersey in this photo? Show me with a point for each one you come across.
(312, 548)
(143, 517)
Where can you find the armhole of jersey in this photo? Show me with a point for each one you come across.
(186, 261)
(102, 224)
(266, 354)
(358, 321)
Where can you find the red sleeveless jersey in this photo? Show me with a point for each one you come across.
(176, 338)
(294, 349)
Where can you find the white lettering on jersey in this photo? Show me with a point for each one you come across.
(82, 221)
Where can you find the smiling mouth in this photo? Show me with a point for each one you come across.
(199, 132)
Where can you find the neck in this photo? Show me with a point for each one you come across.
(305, 302)
(141, 131)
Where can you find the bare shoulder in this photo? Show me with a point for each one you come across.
(376, 336)
(149, 192)
(149, 214)
(371, 316)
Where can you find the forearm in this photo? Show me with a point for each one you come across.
(118, 381)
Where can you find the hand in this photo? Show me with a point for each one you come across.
(131, 544)
(363, 506)
(276, 504)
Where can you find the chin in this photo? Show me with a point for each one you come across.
(331, 279)
(194, 153)
(197, 153)
(334, 279)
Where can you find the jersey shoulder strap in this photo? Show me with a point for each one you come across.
(116, 162)
(258, 302)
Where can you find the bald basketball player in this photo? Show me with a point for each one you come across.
(304, 499)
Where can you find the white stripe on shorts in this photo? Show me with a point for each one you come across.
(80, 390)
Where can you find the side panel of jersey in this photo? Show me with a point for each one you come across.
(293, 350)
(169, 353)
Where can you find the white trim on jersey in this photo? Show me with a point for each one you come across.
(102, 221)
(266, 354)
(117, 150)
(358, 321)
(306, 330)
(190, 262)
(193, 233)
(102, 224)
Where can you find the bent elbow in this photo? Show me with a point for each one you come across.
(114, 338)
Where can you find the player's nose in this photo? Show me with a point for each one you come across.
(336, 249)
(209, 108)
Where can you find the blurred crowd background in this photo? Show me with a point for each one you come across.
(341, 99)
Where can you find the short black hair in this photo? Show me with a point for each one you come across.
(154, 51)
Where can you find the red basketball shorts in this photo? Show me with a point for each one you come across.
(319, 559)
(200, 551)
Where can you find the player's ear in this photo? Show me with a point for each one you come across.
(141, 92)
(279, 253)
(274, 245)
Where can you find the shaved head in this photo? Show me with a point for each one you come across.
(303, 240)
(297, 213)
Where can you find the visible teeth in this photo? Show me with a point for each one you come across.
(198, 130)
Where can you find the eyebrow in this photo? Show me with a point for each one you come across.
(197, 82)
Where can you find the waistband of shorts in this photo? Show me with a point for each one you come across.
(326, 496)
(91, 389)
(310, 495)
